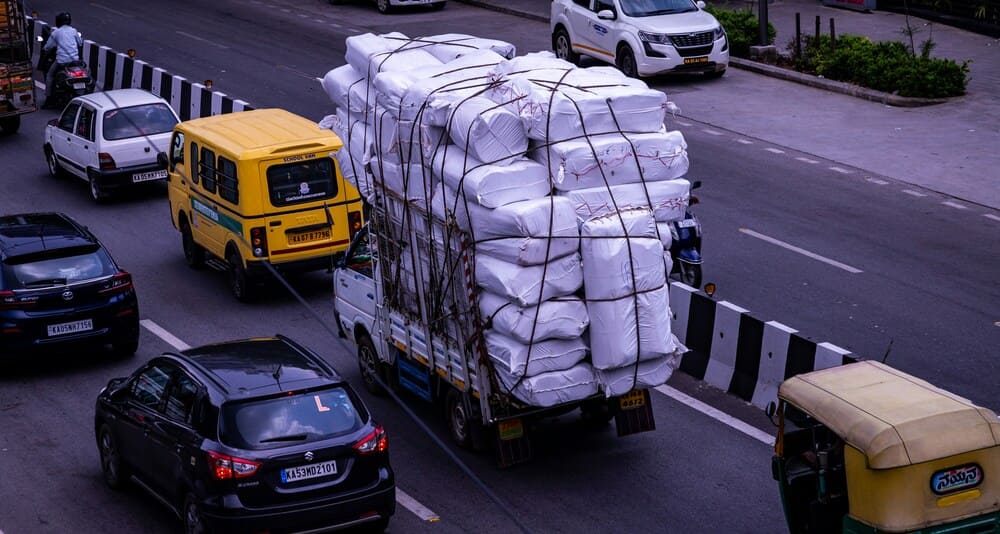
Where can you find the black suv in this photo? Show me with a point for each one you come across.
(258, 435)
(59, 285)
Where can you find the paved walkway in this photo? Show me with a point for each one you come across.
(952, 148)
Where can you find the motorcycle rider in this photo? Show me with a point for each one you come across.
(67, 44)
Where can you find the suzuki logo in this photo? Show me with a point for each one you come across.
(309, 456)
(67, 295)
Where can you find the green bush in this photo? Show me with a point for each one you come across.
(887, 66)
(742, 29)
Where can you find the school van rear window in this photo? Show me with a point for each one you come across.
(301, 181)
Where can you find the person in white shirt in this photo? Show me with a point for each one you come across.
(67, 43)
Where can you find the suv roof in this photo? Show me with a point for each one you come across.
(259, 366)
(30, 233)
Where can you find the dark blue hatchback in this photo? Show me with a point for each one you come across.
(59, 285)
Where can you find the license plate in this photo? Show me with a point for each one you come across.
(79, 85)
(631, 400)
(690, 60)
(305, 472)
(686, 223)
(306, 237)
(147, 176)
(69, 328)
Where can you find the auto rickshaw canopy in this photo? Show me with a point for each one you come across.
(894, 418)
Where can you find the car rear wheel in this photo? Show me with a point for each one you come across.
(384, 6)
(369, 365)
(238, 282)
(194, 520)
(194, 255)
(625, 60)
(563, 46)
(125, 348)
(10, 125)
(96, 193)
(115, 474)
(55, 169)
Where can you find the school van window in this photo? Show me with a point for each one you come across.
(303, 181)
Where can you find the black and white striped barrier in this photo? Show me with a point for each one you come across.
(739, 353)
(115, 70)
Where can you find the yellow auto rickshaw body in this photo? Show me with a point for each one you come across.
(912, 457)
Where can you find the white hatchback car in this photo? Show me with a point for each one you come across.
(641, 37)
(110, 139)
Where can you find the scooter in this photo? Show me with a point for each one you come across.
(72, 80)
(685, 244)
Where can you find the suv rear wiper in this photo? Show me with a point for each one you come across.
(46, 282)
(290, 437)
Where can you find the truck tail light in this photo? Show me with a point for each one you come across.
(354, 222)
(375, 442)
(106, 161)
(225, 467)
(258, 241)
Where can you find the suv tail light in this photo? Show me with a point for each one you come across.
(10, 301)
(120, 283)
(258, 242)
(225, 467)
(354, 222)
(375, 442)
(106, 161)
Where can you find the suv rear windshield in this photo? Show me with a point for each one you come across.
(59, 270)
(145, 119)
(289, 419)
(305, 181)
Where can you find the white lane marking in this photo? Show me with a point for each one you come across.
(320, 80)
(162, 333)
(955, 205)
(202, 39)
(335, 25)
(115, 11)
(914, 193)
(807, 160)
(712, 132)
(802, 251)
(402, 498)
(841, 171)
(991, 216)
(716, 414)
(682, 123)
(744, 141)
(304, 15)
(412, 505)
(877, 181)
(775, 150)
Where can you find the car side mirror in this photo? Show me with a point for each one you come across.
(54, 122)
(606, 14)
(163, 160)
(700, 4)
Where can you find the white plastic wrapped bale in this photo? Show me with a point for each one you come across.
(487, 131)
(614, 159)
(669, 198)
(412, 181)
(356, 154)
(516, 358)
(370, 54)
(490, 186)
(429, 99)
(347, 89)
(651, 373)
(524, 285)
(450, 46)
(553, 387)
(630, 329)
(403, 140)
(530, 232)
(563, 318)
(560, 105)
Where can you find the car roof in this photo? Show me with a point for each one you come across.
(31, 233)
(120, 98)
(893, 418)
(259, 367)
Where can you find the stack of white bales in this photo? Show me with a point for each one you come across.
(521, 154)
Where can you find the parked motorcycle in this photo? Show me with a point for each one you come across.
(72, 80)
(685, 244)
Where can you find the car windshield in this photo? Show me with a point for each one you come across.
(649, 8)
(59, 270)
(299, 418)
(145, 119)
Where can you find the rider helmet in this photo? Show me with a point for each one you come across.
(63, 19)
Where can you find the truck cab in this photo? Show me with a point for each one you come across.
(17, 87)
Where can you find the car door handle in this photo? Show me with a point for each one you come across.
(343, 283)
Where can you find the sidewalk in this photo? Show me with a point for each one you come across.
(952, 148)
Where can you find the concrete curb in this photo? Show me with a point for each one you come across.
(506, 10)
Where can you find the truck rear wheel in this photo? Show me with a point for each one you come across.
(369, 365)
(9, 125)
(460, 422)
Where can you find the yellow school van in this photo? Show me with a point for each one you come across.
(259, 187)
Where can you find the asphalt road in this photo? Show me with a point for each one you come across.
(928, 283)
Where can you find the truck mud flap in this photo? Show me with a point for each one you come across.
(513, 445)
(634, 413)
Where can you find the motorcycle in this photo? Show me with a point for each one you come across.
(685, 244)
(71, 80)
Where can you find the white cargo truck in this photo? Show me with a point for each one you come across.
(514, 264)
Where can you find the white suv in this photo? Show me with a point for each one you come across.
(110, 139)
(641, 37)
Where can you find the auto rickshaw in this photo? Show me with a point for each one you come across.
(865, 448)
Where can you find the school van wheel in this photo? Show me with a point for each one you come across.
(383, 6)
(96, 193)
(10, 124)
(191, 514)
(55, 169)
(369, 365)
(563, 47)
(460, 422)
(115, 474)
(625, 61)
(194, 254)
(239, 284)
